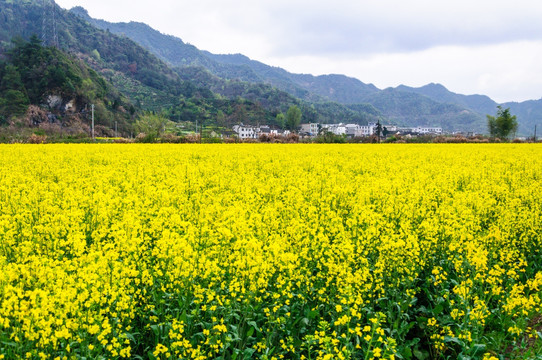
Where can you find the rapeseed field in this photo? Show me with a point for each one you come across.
(270, 251)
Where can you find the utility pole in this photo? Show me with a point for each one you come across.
(116, 132)
(44, 22)
(49, 34)
(535, 133)
(92, 107)
(55, 35)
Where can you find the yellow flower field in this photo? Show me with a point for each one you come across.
(271, 251)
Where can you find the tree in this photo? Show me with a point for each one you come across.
(378, 130)
(151, 125)
(13, 98)
(13, 103)
(503, 124)
(280, 120)
(293, 118)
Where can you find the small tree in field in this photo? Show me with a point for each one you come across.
(151, 125)
(503, 124)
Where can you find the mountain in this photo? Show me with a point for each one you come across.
(479, 103)
(407, 108)
(162, 73)
(432, 104)
(233, 76)
(119, 59)
(529, 113)
(190, 93)
(174, 51)
(338, 88)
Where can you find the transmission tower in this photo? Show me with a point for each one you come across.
(49, 34)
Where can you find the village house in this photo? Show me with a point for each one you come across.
(336, 129)
(351, 130)
(246, 131)
(348, 130)
(311, 129)
(424, 130)
(254, 132)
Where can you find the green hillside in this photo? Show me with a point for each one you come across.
(175, 52)
(479, 103)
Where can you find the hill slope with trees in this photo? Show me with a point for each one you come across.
(161, 73)
(187, 94)
(47, 88)
(455, 112)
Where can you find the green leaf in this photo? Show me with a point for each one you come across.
(156, 329)
(451, 339)
(131, 337)
(411, 343)
(9, 343)
(312, 314)
(254, 325)
(479, 349)
(422, 322)
(250, 331)
(406, 354)
(420, 355)
(248, 353)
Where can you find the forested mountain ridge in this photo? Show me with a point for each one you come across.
(432, 104)
(119, 59)
(192, 85)
(480, 103)
(174, 51)
(184, 94)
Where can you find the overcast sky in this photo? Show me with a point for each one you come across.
(490, 47)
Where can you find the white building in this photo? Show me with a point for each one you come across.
(336, 129)
(428, 130)
(254, 132)
(311, 128)
(351, 130)
(246, 131)
(366, 130)
(280, 132)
